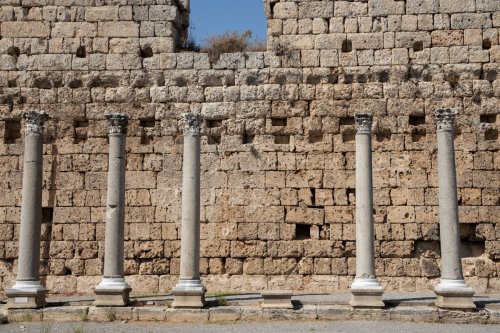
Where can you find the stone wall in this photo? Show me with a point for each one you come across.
(278, 143)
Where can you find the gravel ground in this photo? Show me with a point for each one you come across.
(274, 327)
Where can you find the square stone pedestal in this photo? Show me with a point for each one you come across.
(277, 299)
(366, 299)
(112, 297)
(188, 299)
(454, 294)
(189, 294)
(25, 299)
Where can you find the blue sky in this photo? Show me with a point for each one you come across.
(214, 17)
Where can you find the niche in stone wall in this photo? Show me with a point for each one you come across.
(148, 126)
(215, 129)
(488, 122)
(81, 127)
(347, 129)
(12, 131)
(418, 130)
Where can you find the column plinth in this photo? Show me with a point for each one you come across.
(113, 290)
(28, 292)
(452, 291)
(366, 290)
(189, 291)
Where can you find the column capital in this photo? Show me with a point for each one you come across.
(34, 121)
(118, 123)
(191, 122)
(445, 118)
(363, 122)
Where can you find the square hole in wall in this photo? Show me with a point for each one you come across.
(418, 135)
(81, 130)
(12, 132)
(282, 139)
(491, 134)
(278, 122)
(348, 136)
(147, 122)
(416, 120)
(214, 123)
(351, 196)
(315, 137)
(346, 121)
(488, 118)
(148, 125)
(247, 138)
(302, 231)
(383, 136)
(214, 139)
(47, 214)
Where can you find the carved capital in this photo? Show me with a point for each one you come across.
(445, 119)
(363, 122)
(34, 121)
(191, 122)
(118, 123)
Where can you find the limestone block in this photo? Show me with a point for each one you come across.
(73, 29)
(118, 29)
(397, 249)
(101, 13)
(163, 13)
(408, 39)
(470, 21)
(305, 215)
(487, 6)
(285, 10)
(248, 249)
(447, 38)
(346, 8)
(451, 6)
(361, 41)
(385, 7)
(209, 248)
(315, 9)
(329, 41)
(422, 6)
(290, 249)
(25, 29)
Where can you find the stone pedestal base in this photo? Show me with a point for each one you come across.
(26, 295)
(277, 299)
(189, 294)
(454, 294)
(366, 293)
(112, 292)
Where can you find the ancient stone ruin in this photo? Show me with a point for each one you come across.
(278, 157)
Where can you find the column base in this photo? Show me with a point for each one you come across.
(112, 292)
(26, 295)
(189, 294)
(454, 294)
(366, 293)
(277, 299)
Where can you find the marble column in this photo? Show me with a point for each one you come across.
(452, 291)
(113, 290)
(28, 292)
(189, 291)
(366, 290)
